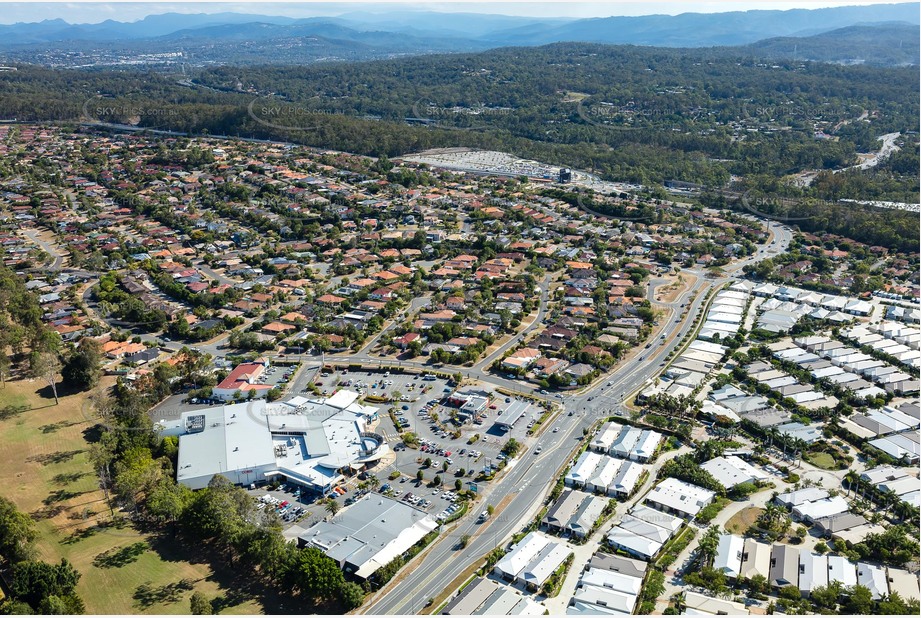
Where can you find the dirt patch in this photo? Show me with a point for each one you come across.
(743, 520)
(678, 286)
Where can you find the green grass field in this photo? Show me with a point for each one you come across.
(822, 460)
(44, 469)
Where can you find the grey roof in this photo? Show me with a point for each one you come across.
(618, 564)
(471, 597)
(360, 532)
(784, 566)
(837, 523)
(563, 510)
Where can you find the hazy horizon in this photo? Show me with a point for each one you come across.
(95, 12)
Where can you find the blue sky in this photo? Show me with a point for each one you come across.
(92, 12)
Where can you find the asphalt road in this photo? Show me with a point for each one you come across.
(49, 248)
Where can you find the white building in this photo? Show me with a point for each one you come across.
(731, 471)
(826, 507)
(728, 559)
(369, 534)
(532, 560)
(813, 572)
(305, 442)
(842, 570)
(684, 499)
(874, 578)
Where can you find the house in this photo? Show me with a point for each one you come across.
(578, 370)
(404, 341)
(826, 507)
(683, 499)
(729, 552)
(521, 359)
(756, 559)
(874, 578)
(731, 471)
(532, 560)
(784, 566)
(701, 604)
(277, 328)
(575, 512)
(813, 572)
(842, 570)
(142, 356)
(242, 381)
(330, 299)
(643, 532)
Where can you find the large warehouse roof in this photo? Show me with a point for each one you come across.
(369, 534)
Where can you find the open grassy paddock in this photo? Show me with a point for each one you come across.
(45, 470)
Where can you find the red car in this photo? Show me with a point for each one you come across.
(447, 453)
(284, 504)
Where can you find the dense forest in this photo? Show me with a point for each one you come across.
(629, 113)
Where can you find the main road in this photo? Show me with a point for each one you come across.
(531, 476)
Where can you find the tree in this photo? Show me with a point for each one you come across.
(352, 595)
(45, 365)
(860, 601)
(419, 476)
(894, 605)
(458, 485)
(790, 593)
(168, 500)
(83, 368)
(464, 540)
(712, 579)
(136, 475)
(706, 549)
(200, 605)
(5, 364)
(332, 507)
(220, 511)
(654, 586)
(314, 575)
(17, 533)
(826, 597)
(53, 605)
(758, 584)
(32, 582)
(490, 509)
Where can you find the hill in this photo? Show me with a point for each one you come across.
(891, 44)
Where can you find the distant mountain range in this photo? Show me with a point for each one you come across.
(878, 34)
